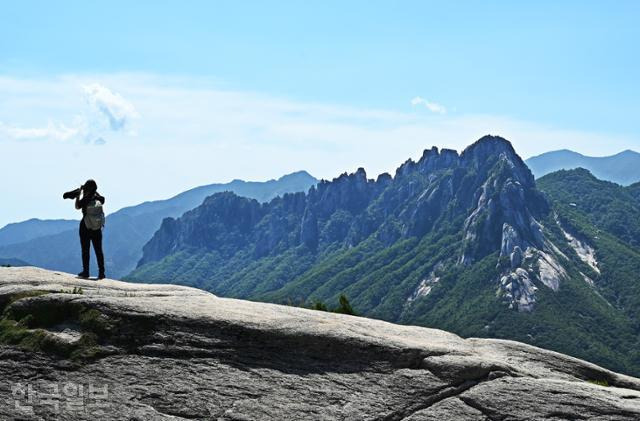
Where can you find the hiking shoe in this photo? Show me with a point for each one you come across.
(83, 275)
(101, 276)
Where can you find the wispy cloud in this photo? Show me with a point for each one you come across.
(187, 111)
(117, 110)
(57, 131)
(431, 106)
(102, 112)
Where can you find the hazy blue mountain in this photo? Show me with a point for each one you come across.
(262, 191)
(622, 168)
(128, 229)
(13, 262)
(20, 232)
(464, 242)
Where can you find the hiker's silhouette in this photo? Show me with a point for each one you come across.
(91, 226)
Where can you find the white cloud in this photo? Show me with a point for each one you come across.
(117, 110)
(103, 111)
(57, 131)
(190, 111)
(431, 106)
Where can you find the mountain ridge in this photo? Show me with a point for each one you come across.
(353, 193)
(621, 168)
(129, 228)
(19, 232)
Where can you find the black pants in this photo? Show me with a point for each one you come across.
(87, 237)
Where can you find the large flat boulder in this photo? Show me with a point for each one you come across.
(157, 352)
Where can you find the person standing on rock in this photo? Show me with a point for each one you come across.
(91, 226)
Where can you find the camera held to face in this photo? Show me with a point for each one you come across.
(73, 194)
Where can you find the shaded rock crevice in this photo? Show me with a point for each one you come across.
(446, 392)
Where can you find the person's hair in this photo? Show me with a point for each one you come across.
(90, 187)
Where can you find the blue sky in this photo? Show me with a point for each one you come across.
(223, 90)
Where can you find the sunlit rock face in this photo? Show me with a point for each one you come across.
(165, 352)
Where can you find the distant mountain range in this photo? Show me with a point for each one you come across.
(465, 242)
(13, 262)
(20, 232)
(622, 168)
(54, 244)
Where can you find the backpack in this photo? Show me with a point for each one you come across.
(94, 218)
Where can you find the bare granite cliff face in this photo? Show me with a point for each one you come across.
(165, 352)
(485, 199)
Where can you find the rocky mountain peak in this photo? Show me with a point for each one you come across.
(488, 150)
(384, 178)
(486, 193)
(507, 203)
(202, 227)
(488, 146)
(433, 160)
(405, 169)
(507, 216)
